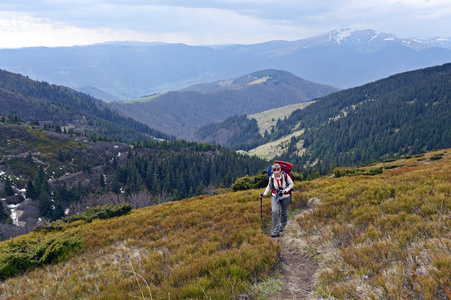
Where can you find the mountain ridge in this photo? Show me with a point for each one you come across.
(403, 114)
(180, 113)
(341, 58)
(31, 100)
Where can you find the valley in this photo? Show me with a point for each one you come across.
(181, 113)
(157, 197)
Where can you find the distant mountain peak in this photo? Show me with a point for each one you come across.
(375, 39)
(340, 34)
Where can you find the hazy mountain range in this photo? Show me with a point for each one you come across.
(182, 112)
(116, 71)
(61, 149)
(76, 138)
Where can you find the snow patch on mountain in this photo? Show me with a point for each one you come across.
(340, 35)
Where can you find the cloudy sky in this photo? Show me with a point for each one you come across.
(25, 23)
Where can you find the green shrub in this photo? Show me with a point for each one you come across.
(436, 156)
(97, 212)
(392, 167)
(20, 255)
(251, 182)
(340, 172)
(105, 212)
(258, 181)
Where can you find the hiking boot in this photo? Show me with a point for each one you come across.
(274, 234)
(282, 226)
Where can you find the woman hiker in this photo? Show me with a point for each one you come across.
(280, 185)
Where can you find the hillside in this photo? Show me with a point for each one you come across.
(245, 133)
(44, 103)
(342, 58)
(182, 112)
(407, 113)
(43, 172)
(266, 120)
(374, 236)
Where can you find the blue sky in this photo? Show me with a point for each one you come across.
(25, 23)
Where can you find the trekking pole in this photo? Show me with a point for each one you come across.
(261, 209)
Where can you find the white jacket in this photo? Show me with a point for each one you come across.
(286, 185)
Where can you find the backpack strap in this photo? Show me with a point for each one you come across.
(285, 176)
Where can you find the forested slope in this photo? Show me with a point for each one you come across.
(43, 172)
(182, 112)
(406, 113)
(47, 103)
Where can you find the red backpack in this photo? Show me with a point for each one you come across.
(286, 170)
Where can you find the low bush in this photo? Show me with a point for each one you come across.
(436, 156)
(251, 182)
(97, 212)
(258, 181)
(22, 254)
(340, 172)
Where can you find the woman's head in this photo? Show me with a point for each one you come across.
(276, 170)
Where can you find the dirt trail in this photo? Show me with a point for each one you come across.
(297, 267)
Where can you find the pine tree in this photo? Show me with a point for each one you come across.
(115, 186)
(30, 190)
(38, 181)
(80, 190)
(9, 191)
(58, 213)
(60, 156)
(3, 213)
(45, 204)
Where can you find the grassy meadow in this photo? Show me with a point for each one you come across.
(383, 236)
(205, 247)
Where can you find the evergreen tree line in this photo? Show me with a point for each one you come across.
(51, 203)
(11, 119)
(178, 169)
(66, 105)
(407, 113)
(183, 169)
(243, 133)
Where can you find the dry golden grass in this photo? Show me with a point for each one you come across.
(205, 247)
(385, 236)
(275, 148)
(267, 119)
(376, 237)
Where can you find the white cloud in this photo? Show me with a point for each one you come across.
(20, 30)
(68, 22)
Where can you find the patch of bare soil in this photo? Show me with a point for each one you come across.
(297, 267)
